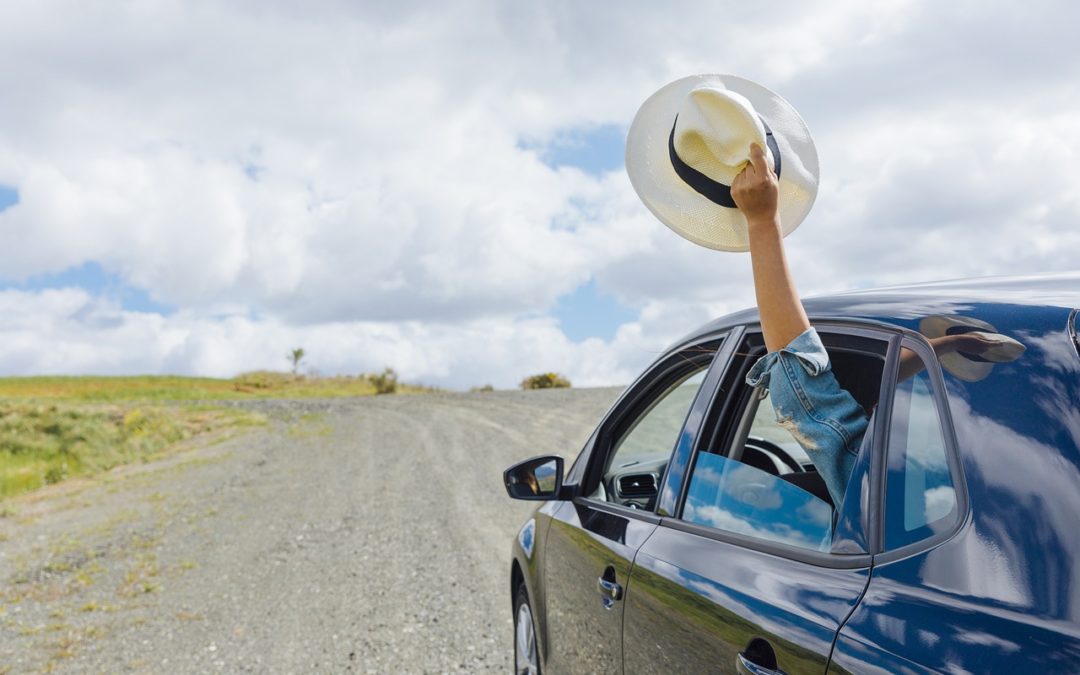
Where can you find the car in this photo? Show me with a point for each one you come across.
(692, 534)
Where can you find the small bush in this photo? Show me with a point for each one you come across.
(482, 388)
(385, 382)
(55, 474)
(545, 381)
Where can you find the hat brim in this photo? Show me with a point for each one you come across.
(683, 209)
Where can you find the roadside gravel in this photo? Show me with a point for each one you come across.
(367, 535)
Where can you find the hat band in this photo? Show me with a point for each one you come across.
(718, 193)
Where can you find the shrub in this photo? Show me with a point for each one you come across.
(385, 382)
(482, 388)
(545, 381)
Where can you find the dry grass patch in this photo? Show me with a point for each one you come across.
(42, 443)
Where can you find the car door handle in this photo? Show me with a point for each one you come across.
(745, 666)
(610, 591)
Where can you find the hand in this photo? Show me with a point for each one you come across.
(975, 342)
(755, 190)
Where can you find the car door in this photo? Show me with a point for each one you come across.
(752, 569)
(592, 539)
(962, 585)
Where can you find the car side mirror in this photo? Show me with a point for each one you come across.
(539, 478)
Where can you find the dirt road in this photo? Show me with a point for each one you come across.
(365, 535)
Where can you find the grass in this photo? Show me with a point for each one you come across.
(169, 388)
(43, 442)
(55, 428)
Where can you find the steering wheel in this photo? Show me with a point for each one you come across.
(774, 449)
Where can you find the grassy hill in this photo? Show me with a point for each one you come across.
(54, 428)
(259, 384)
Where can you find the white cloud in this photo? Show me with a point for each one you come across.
(355, 176)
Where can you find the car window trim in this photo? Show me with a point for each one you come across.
(676, 471)
(617, 509)
(939, 393)
(803, 555)
(888, 334)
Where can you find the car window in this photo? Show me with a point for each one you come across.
(781, 443)
(658, 427)
(642, 449)
(756, 479)
(920, 496)
(728, 495)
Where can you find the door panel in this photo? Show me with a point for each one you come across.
(695, 602)
(588, 541)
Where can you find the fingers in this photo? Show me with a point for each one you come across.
(754, 189)
(757, 159)
(753, 168)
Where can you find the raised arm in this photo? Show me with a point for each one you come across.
(755, 193)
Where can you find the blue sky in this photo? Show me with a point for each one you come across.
(588, 312)
(92, 278)
(9, 197)
(595, 150)
(89, 276)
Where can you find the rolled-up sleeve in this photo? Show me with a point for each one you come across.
(810, 404)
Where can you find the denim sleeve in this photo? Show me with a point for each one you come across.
(809, 403)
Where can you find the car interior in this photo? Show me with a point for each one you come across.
(759, 441)
(639, 459)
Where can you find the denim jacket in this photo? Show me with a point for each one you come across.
(808, 401)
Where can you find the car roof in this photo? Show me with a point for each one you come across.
(987, 298)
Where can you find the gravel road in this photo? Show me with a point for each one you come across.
(364, 535)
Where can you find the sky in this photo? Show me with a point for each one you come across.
(197, 188)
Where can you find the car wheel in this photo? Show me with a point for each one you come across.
(526, 658)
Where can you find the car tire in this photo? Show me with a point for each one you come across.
(526, 654)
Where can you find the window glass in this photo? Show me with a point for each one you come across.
(920, 497)
(640, 455)
(752, 490)
(658, 428)
(729, 495)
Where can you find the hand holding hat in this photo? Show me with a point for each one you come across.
(754, 189)
(690, 141)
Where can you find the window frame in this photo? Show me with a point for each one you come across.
(880, 468)
(719, 417)
(637, 400)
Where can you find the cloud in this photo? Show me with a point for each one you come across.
(69, 330)
(351, 174)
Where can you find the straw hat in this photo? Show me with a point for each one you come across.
(971, 367)
(690, 139)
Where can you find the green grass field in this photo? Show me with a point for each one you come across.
(168, 388)
(54, 428)
(43, 443)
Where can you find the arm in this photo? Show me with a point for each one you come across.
(971, 343)
(755, 192)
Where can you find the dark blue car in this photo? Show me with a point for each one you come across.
(694, 535)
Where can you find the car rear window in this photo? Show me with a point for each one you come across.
(920, 495)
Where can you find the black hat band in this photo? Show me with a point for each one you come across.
(718, 193)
